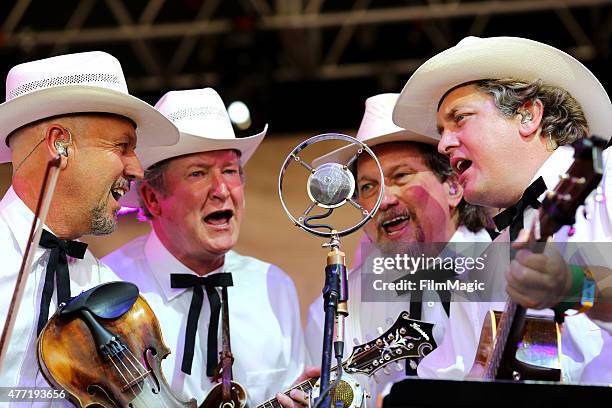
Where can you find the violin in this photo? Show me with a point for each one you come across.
(105, 348)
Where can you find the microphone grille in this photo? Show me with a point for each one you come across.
(343, 393)
(331, 184)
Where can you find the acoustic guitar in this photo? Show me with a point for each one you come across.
(513, 347)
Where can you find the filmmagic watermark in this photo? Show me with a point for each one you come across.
(460, 271)
(433, 272)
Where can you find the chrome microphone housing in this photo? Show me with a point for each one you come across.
(330, 185)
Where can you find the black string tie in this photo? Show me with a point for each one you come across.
(181, 280)
(513, 216)
(57, 267)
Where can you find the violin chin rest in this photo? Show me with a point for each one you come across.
(106, 301)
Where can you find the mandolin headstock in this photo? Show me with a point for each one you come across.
(406, 338)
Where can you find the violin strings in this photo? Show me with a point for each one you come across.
(128, 370)
(131, 358)
(122, 376)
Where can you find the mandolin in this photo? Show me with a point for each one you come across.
(502, 349)
(407, 338)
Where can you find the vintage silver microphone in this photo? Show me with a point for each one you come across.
(330, 186)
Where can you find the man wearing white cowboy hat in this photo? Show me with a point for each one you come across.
(503, 109)
(193, 196)
(422, 203)
(76, 106)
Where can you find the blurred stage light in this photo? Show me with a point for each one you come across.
(239, 115)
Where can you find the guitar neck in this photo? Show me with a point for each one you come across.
(512, 322)
(305, 386)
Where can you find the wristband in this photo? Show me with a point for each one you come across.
(589, 289)
(574, 294)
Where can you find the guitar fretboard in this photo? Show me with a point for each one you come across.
(305, 386)
(501, 339)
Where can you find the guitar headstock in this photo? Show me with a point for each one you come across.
(559, 207)
(406, 338)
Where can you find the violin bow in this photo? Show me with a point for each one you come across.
(42, 209)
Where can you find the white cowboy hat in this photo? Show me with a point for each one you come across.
(76, 83)
(476, 58)
(204, 126)
(376, 128)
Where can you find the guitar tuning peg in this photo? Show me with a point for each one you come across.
(399, 366)
(380, 330)
(586, 214)
(599, 195)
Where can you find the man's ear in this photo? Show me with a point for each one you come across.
(530, 117)
(454, 190)
(150, 199)
(59, 142)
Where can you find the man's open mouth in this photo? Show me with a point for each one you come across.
(219, 217)
(395, 224)
(117, 193)
(461, 165)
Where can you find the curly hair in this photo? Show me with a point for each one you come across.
(563, 118)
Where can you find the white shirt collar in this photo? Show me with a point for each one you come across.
(162, 263)
(18, 217)
(557, 164)
(462, 234)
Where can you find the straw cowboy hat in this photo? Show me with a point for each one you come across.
(77, 83)
(376, 128)
(476, 58)
(204, 126)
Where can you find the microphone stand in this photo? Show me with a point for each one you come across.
(331, 185)
(335, 298)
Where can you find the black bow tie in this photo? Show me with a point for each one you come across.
(58, 267)
(513, 216)
(180, 280)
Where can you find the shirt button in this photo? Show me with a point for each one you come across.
(430, 304)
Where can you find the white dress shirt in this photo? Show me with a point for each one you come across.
(586, 348)
(367, 319)
(20, 367)
(266, 334)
